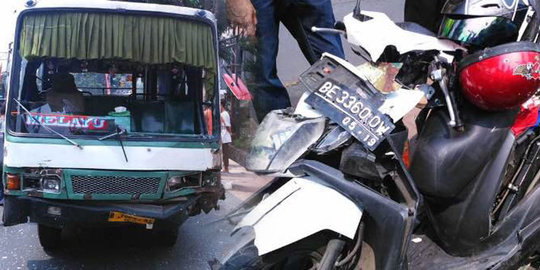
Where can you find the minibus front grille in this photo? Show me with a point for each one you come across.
(83, 184)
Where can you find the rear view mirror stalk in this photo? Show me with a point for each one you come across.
(357, 12)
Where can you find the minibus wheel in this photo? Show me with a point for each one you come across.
(49, 237)
(167, 237)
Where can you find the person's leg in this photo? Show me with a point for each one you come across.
(226, 151)
(424, 12)
(299, 16)
(269, 93)
(1, 193)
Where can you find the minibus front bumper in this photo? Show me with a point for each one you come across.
(59, 213)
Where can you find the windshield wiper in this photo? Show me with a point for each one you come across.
(119, 132)
(46, 127)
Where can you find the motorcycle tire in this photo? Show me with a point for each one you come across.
(298, 256)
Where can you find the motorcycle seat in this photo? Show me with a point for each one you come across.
(416, 28)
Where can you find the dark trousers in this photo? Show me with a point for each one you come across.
(298, 16)
(226, 155)
(424, 12)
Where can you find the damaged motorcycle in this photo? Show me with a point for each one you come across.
(350, 195)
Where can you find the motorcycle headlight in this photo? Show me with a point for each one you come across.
(281, 139)
(332, 140)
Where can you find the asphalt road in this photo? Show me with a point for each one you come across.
(201, 240)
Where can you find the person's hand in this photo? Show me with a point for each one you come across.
(242, 14)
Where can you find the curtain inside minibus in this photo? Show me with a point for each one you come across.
(141, 39)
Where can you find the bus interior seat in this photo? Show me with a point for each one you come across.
(179, 117)
(163, 117)
(148, 117)
(103, 105)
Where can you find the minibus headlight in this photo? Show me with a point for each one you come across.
(51, 181)
(175, 183)
(51, 185)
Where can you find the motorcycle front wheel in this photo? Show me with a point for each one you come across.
(303, 255)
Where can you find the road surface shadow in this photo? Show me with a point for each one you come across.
(201, 239)
(111, 248)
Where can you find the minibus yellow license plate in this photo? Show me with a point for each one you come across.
(121, 217)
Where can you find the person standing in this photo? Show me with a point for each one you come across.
(2, 128)
(261, 18)
(207, 111)
(226, 138)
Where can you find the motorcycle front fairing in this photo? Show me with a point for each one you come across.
(300, 208)
(390, 222)
(383, 32)
(321, 198)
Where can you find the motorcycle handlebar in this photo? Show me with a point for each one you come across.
(315, 29)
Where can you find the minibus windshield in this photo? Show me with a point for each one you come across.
(85, 98)
(88, 73)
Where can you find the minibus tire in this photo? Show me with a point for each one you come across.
(168, 237)
(49, 238)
